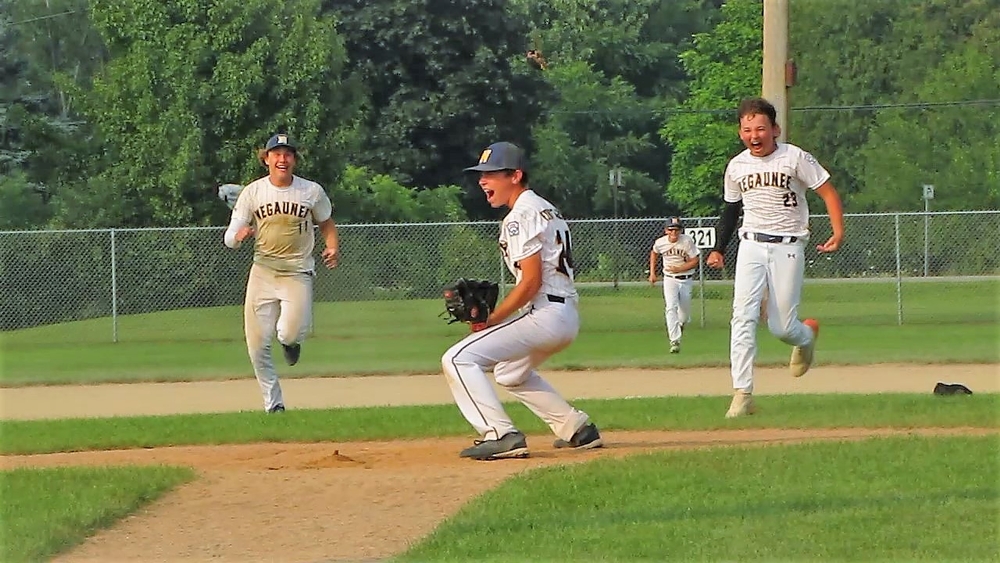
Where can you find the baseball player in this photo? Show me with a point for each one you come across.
(280, 210)
(535, 320)
(680, 257)
(769, 180)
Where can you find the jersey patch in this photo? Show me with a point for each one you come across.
(513, 228)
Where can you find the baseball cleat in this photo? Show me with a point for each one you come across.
(586, 438)
(292, 353)
(512, 445)
(276, 408)
(802, 356)
(675, 346)
(742, 405)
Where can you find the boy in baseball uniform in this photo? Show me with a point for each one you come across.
(680, 257)
(279, 211)
(535, 320)
(769, 181)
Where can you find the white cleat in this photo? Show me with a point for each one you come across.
(742, 405)
(802, 356)
(675, 346)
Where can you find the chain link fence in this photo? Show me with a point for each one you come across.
(896, 263)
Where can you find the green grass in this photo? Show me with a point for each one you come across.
(894, 499)
(619, 329)
(47, 511)
(371, 423)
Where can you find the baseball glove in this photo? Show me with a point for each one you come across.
(471, 301)
(229, 193)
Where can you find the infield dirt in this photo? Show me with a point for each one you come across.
(364, 501)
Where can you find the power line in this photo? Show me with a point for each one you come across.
(855, 107)
(911, 105)
(46, 17)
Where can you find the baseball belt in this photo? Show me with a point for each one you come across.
(776, 239)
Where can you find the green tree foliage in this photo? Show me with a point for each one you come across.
(364, 197)
(192, 88)
(443, 78)
(612, 65)
(957, 149)
(884, 53)
(724, 67)
(23, 199)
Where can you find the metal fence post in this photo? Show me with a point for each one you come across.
(927, 239)
(899, 279)
(114, 290)
(701, 281)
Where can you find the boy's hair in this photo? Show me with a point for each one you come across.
(757, 106)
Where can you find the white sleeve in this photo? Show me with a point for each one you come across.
(812, 173)
(731, 190)
(241, 217)
(235, 224)
(323, 209)
(524, 235)
(693, 249)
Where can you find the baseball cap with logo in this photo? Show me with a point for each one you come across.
(673, 223)
(500, 156)
(280, 140)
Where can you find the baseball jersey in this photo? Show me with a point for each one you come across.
(535, 225)
(773, 189)
(676, 253)
(284, 220)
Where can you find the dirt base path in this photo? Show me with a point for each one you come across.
(226, 396)
(365, 501)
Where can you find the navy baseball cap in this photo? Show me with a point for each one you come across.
(500, 156)
(280, 140)
(673, 223)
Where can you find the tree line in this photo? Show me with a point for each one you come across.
(129, 113)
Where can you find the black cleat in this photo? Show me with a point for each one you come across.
(276, 408)
(512, 445)
(292, 352)
(585, 438)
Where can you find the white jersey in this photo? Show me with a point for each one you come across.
(284, 220)
(534, 225)
(676, 253)
(773, 189)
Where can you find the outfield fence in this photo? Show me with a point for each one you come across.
(56, 276)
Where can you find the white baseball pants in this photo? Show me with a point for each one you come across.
(513, 350)
(677, 300)
(277, 303)
(777, 269)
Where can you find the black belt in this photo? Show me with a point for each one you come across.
(761, 237)
(555, 298)
(684, 277)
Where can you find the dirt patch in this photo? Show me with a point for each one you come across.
(358, 501)
(344, 501)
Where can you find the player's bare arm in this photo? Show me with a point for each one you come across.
(835, 209)
(523, 292)
(652, 266)
(331, 253)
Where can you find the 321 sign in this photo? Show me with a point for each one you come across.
(704, 237)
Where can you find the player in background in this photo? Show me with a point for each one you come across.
(535, 320)
(280, 210)
(680, 258)
(769, 181)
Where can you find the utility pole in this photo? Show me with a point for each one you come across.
(778, 71)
